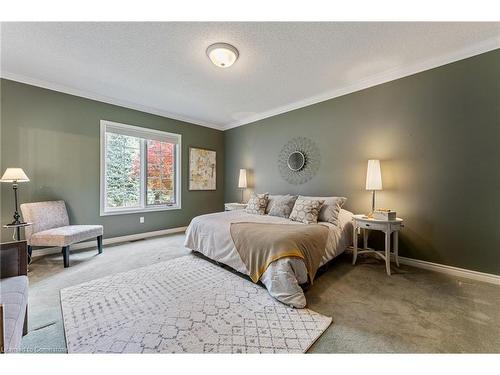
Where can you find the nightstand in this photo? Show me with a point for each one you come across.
(234, 206)
(365, 224)
(17, 234)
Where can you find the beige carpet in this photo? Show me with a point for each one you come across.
(185, 305)
(411, 311)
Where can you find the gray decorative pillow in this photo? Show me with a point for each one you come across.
(257, 204)
(282, 207)
(306, 210)
(331, 208)
(270, 201)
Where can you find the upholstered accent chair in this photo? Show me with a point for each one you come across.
(13, 295)
(51, 228)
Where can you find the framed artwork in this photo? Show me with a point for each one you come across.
(202, 169)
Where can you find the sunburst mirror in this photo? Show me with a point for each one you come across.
(299, 160)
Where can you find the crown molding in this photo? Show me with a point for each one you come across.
(377, 79)
(104, 99)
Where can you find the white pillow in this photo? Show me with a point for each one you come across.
(331, 207)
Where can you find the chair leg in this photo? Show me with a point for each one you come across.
(99, 244)
(30, 251)
(65, 251)
(25, 325)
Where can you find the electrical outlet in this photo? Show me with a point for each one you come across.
(141, 220)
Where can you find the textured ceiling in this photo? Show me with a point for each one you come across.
(162, 67)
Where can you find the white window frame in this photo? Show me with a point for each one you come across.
(144, 133)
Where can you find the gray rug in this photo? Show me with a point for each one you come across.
(183, 305)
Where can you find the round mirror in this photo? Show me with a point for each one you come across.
(296, 161)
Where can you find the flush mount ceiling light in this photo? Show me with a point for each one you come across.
(222, 55)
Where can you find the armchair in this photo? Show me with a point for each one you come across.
(13, 295)
(51, 228)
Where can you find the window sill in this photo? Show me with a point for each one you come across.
(139, 210)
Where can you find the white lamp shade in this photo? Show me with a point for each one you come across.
(373, 175)
(14, 175)
(242, 181)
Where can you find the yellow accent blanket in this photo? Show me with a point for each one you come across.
(261, 244)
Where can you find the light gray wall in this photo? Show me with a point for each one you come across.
(54, 137)
(437, 134)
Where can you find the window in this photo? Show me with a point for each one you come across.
(140, 169)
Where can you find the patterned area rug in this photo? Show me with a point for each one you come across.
(186, 305)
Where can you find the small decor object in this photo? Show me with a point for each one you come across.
(257, 204)
(384, 214)
(373, 180)
(15, 175)
(306, 210)
(234, 206)
(202, 169)
(242, 182)
(299, 160)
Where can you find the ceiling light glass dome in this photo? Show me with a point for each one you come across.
(222, 55)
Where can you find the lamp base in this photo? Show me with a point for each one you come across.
(370, 215)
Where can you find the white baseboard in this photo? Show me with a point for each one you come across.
(450, 270)
(109, 241)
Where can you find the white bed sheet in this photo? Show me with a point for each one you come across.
(210, 235)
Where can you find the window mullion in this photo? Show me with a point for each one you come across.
(144, 154)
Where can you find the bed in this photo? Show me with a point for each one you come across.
(210, 235)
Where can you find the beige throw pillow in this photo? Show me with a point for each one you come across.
(331, 208)
(306, 210)
(257, 204)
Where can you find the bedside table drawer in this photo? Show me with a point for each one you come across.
(375, 226)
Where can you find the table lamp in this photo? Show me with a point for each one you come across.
(242, 182)
(15, 175)
(373, 179)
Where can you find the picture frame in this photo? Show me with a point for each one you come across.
(202, 174)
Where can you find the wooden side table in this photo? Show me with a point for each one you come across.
(389, 227)
(17, 229)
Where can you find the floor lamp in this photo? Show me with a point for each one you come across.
(15, 175)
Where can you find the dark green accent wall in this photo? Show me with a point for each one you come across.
(54, 137)
(437, 134)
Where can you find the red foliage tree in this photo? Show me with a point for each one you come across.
(159, 168)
